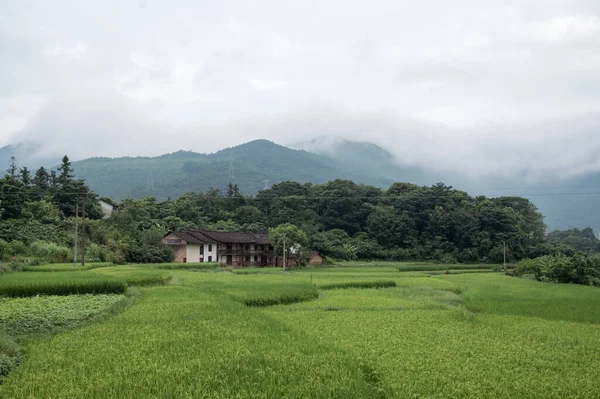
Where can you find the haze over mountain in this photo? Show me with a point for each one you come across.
(261, 163)
(494, 88)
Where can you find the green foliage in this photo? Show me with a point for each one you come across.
(10, 353)
(349, 251)
(580, 240)
(50, 251)
(289, 238)
(576, 269)
(17, 248)
(149, 254)
(31, 284)
(359, 284)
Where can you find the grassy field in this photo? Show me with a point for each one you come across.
(441, 336)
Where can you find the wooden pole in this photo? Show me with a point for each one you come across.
(504, 257)
(76, 226)
(83, 231)
(284, 254)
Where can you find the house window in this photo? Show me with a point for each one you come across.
(209, 247)
(210, 258)
(255, 258)
(247, 246)
(201, 249)
(247, 258)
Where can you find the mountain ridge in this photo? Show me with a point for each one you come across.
(262, 163)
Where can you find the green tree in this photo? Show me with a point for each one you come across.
(288, 238)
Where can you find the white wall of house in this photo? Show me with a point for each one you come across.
(193, 253)
(210, 250)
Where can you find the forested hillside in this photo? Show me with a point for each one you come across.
(342, 219)
(252, 166)
(568, 204)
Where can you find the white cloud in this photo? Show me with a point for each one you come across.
(464, 85)
(567, 27)
(77, 50)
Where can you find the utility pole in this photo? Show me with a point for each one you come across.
(83, 231)
(505, 258)
(76, 225)
(284, 254)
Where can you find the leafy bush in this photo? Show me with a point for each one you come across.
(150, 254)
(17, 248)
(50, 251)
(4, 249)
(576, 269)
(360, 284)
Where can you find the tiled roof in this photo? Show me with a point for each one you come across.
(187, 237)
(211, 237)
(236, 237)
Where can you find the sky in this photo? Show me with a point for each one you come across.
(481, 87)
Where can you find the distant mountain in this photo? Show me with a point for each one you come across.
(252, 166)
(26, 154)
(365, 158)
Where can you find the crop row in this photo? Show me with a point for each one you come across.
(281, 299)
(27, 284)
(359, 284)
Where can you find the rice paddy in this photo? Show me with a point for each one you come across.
(264, 333)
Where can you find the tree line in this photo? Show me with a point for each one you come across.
(340, 218)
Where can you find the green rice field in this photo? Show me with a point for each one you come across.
(372, 330)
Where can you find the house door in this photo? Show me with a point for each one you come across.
(229, 259)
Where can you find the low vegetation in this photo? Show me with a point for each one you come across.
(223, 335)
(64, 267)
(190, 266)
(359, 284)
(46, 313)
(10, 355)
(31, 284)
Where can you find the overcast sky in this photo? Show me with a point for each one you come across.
(481, 86)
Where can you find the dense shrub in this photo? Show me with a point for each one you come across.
(576, 269)
(50, 251)
(17, 248)
(149, 254)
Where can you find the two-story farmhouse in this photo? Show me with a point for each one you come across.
(227, 248)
